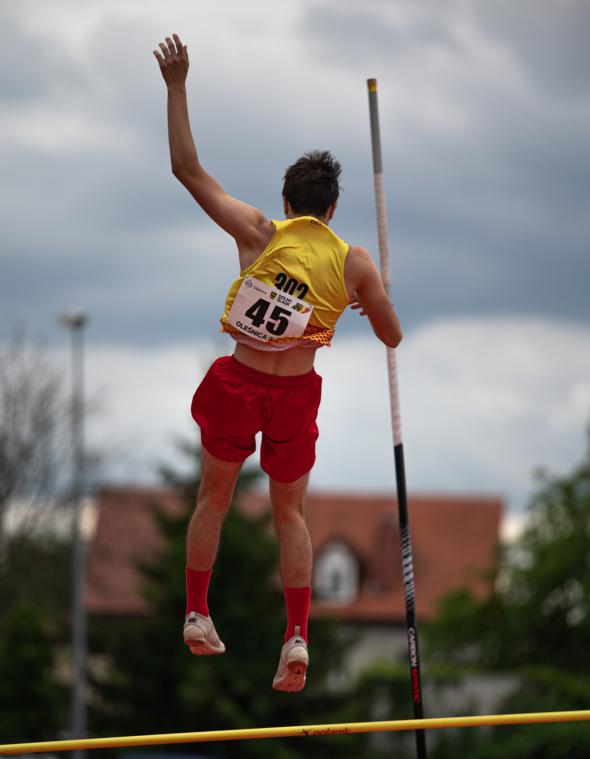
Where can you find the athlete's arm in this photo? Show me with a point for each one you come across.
(364, 281)
(238, 219)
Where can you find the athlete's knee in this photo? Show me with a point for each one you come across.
(288, 502)
(289, 492)
(218, 481)
(286, 515)
(212, 502)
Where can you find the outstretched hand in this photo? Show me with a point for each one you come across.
(173, 60)
(355, 304)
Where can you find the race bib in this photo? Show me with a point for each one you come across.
(264, 313)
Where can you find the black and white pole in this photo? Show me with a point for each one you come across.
(400, 474)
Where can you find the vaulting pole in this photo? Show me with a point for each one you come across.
(398, 448)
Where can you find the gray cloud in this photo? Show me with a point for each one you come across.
(550, 39)
(351, 34)
(487, 166)
(31, 70)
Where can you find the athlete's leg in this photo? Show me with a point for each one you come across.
(218, 481)
(287, 452)
(288, 512)
(295, 551)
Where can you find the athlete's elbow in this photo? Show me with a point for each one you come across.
(179, 172)
(386, 327)
(185, 169)
(395, 332)
(392, 337)
(393, 340)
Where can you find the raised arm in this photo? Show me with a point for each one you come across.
(240, 220)
(363, 280)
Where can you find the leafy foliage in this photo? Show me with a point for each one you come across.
(536, 624)
(36, 569)
(32, 703)
(539, 611)
(33, 625)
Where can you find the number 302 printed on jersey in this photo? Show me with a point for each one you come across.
(264, 313)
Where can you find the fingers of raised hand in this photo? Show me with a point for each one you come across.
(163, 56)
(171, 46)
(180, 48)
(170, 49)
(166, 51)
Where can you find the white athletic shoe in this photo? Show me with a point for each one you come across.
(200, 635)
(293, 665)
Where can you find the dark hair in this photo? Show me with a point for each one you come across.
(311, 184)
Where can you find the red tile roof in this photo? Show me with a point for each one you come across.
(125, 533)
(453, 537)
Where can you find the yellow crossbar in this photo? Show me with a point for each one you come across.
(294, 731)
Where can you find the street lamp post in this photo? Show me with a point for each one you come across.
(75, 321)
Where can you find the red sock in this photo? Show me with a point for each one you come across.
(197, 585)
(297, 600)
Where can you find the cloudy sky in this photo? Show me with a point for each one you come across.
(485, 121)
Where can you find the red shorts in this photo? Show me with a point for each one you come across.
(234, 402)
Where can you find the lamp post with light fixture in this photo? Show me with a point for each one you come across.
(75, 321)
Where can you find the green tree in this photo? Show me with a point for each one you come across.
(32, 704)
(154, 685)
(536, 623)
(37, 569)
(538, 613)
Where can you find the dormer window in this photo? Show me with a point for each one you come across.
(336, 573)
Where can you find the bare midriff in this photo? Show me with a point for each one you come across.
(287, 363)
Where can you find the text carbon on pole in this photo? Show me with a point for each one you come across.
(398, 448)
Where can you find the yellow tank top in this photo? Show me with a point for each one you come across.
(298, 277)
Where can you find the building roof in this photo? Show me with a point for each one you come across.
(125, 533)
(454, 539)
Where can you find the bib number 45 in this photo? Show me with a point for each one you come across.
(263, 313)
(278, 321)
